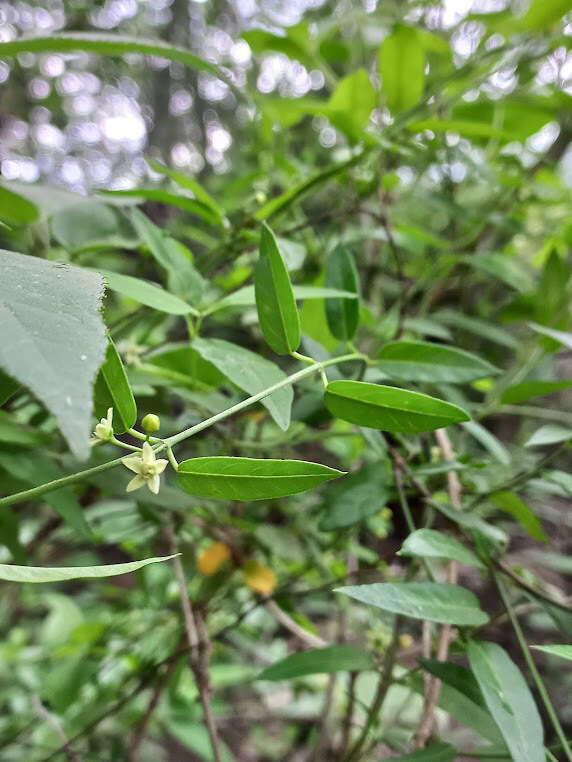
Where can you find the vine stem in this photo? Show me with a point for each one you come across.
(532, 666)
(65, 481)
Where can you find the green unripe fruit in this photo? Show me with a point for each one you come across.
(151, 423)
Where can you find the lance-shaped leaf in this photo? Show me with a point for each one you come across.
(509, 700)
(437, 752)
(428, 543)
(342, 314)
(53, 337)
(433, 363)
(402, 68)
(563, 651)
(12, 573)
(275, 302)
(112, 390)
(389, 408)
(524, 391)
(146, 293)
(319, 661)
(250, 372)
(433, 601)
(225, 478)
(107, 45)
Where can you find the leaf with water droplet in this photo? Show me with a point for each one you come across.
(45, 330)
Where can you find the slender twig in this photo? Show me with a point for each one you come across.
(532, 666)
(54, 722)
(381, 692)
(433, 685)
(325, 720)
(199, 650)
(314, 641)
(348, 716)
(143, 726)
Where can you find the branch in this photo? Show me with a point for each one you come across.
(314, 641)
(433, 684)
(142, 727)
(382, 689)
(199, 650)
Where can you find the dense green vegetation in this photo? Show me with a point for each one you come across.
(284, 443)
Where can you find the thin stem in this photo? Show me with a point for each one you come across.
(199, 649)
(64, 481)
(532, 666)
(143, 437)
(125, 446)
(382, 689)
(294, 378)
(172, 459)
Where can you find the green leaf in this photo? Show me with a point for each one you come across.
(342, 314)
(36, 574)
(509, 701)
(433, 601)
(251, 373)
(437, 752)
(544, 13)
(89, 224)
(286, 199)
(488, 441)
(53, 338)
(319, 661)
(389, 408)
(466, 129)
(245, 297)
(189, 183)
(356, 497)
(225, 478)
(107, 45)
(39, 469)
(146, 293)
(15, 433)
(428, 543)
(460, 678)
(8, 387)
(112, 390)
(190, 205)
(351, 104)
(295, 44)
(521, 392)
(402, 68)
(549, 434)
(560, 336)
(507, 269)
(510, 503)
(433, 363)
(275, 302)
(16, 209)
(565, 652)
(183, 279)
(482, 328)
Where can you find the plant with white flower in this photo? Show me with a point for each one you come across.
(104, 429)
(147, 469)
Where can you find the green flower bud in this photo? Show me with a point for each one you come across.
(151, 423)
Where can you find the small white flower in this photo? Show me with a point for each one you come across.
(147, 468)
(104, 429)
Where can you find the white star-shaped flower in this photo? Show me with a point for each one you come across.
(104, 429)
(147, 468)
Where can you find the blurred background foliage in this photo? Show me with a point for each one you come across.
(453, 190)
